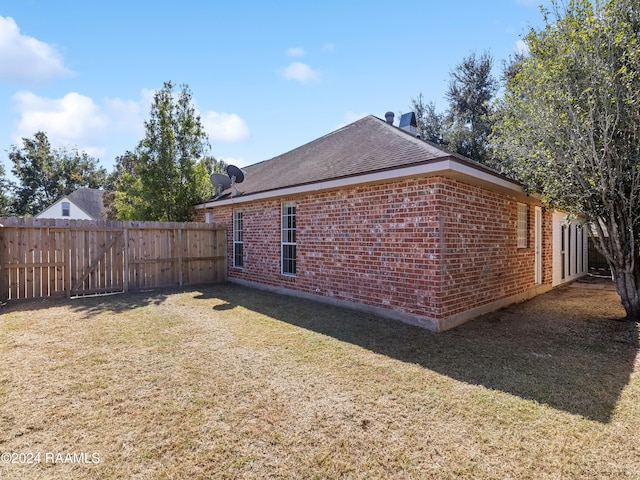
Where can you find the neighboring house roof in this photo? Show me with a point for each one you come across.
(366, 146)
(89, 200)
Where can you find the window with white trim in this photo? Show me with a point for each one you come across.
(523, 225)
(238, 241)
(66, 209)
(289, 238)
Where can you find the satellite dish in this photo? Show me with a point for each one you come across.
(220, 181)
(235, 174)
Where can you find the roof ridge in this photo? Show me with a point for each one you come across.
(333, 132)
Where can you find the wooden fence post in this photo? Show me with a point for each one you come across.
(4, 284)
(67, 262)
(125, 280)
(180, 247)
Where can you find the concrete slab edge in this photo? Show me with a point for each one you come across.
(428, 323)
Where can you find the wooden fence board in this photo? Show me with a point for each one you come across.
(22, 252)
(44, 258)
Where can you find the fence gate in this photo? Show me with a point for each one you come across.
(96, 261)
(48, 257)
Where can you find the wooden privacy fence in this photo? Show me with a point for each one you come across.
(53, 257)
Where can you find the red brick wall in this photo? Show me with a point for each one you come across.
(482, 261)
(375, 245)
(433, 247)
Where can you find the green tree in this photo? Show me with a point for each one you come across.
(45, 174)
(431, 124)
(124, 164)
(511, 66)
(568, 126)
(470, 94)
(466, 125)
(5, 199)
(168, 175)
(215, 165)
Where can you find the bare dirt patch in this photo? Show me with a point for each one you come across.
(229, 382)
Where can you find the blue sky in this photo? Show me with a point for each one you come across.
(266, 76)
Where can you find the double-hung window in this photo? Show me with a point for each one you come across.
(238, 242)
(66, 209)
(288, 238)
(523, 225)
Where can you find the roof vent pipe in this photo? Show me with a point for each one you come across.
(389, 117)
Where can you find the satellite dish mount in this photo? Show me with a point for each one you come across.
(236, 175)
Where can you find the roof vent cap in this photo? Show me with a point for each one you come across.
(389, 117)
(409, 124)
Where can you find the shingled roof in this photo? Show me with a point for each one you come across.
(89, 200)
(366, 146)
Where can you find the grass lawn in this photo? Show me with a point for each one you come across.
(229, 382)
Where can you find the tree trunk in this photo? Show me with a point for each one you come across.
(623, 264)
(627, 286)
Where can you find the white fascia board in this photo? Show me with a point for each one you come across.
(446, 167)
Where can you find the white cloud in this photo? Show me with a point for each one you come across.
(25, 58)
(301, 72)
(108, 127)
(76, 120)
(224, 127)
(296, 52)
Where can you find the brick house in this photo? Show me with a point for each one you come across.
(371, 217)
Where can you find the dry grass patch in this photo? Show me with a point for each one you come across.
(228, 382)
